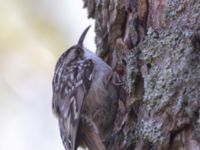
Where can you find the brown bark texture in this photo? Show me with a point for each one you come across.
(158, 44)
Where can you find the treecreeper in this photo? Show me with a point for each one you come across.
(85, 98)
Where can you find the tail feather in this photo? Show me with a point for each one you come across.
(93, 141)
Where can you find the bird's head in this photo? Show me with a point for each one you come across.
(75, 52)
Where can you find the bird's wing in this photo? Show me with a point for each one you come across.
(70, 86)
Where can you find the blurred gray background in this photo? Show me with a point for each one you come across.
(33, 34)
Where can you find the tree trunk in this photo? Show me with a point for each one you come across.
(158, 44)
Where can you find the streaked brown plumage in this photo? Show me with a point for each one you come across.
(85, 100)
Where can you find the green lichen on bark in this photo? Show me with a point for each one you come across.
(166, 69)
(171, 84)
(171, 74)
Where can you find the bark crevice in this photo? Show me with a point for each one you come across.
(158, 44)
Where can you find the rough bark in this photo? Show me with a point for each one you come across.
(158, 44)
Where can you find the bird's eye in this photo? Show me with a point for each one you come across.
(79, 51)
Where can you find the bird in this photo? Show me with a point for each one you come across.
(85, 99)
